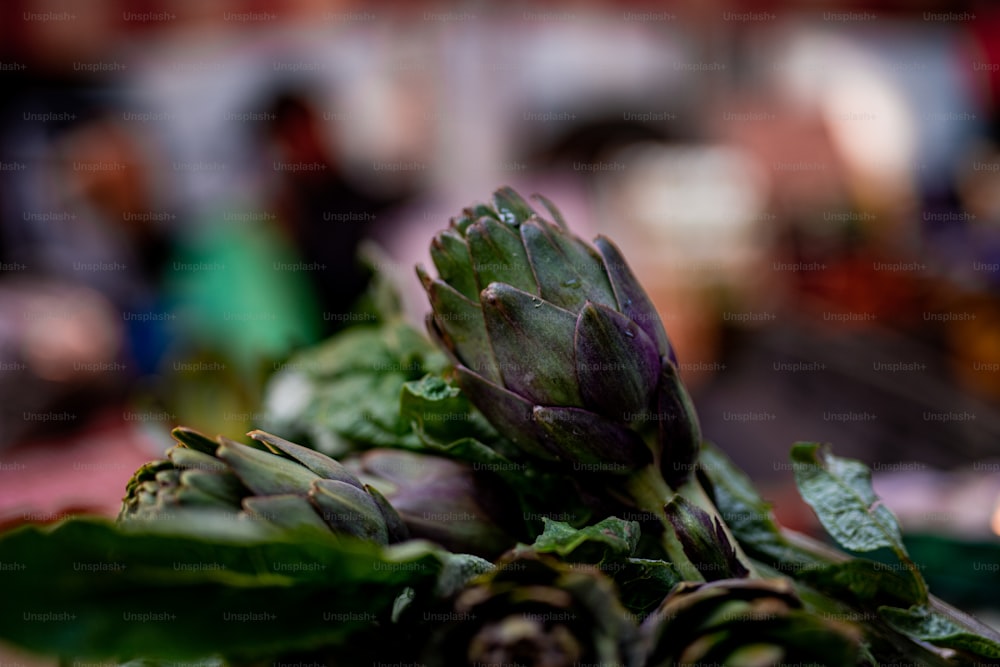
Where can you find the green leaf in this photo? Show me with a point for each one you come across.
(344, 393)
(439, 410)
(925, 624)
(867, 581)
(840, 492)
(642, 583)
(748, 516)
(608, 545)
(609, 540)
(750, 519)
(88, 588)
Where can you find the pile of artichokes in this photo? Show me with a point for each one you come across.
(539, 495)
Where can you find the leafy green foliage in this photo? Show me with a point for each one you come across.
(928, 625)
(440, 413)
(88, 588)
(847, 587)
(748, 516)
(202, 584)
(610, 545)
(608, 540)
(866, 581)
(840, 492)
(344, 393)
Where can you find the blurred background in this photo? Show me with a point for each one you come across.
(810, 191)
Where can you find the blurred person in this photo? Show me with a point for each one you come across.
(264, 273)
(325, 214)
(126, 240)
(77, 230)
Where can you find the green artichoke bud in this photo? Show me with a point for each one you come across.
(444, 501)
(282, 483)
(534, 611)
(704, 540)
(743, 622)
(556, 342)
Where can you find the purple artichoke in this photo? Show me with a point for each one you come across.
(557, 343)
(744, 622)
(534, 610)
(463, 509)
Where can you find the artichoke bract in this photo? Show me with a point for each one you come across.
(286, 485)
(450, 503)
(743, 622)
(533, 610)
(556, 342)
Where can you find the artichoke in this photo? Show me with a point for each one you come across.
(282, 483)
(704, 540)
(533, 610)
(444, 501)
(743, 622)
(557, 343)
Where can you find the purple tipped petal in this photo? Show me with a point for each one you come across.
(459, 323)
(439, 338)
(319, 463)
(285, 510)
(450, 255)
(533, 343)
(704, 541)
(591, 442)
(404, 468)
(511, 207)
(471, 215)
(556, 214)
(680, 434)
(349, 510)
(393, 522)
(510, 414)
(568, 272)
(632, 298)
(498, 256)
(192, 439)
(265, 473)
(617, 364)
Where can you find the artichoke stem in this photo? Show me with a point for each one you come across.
(651, 493)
